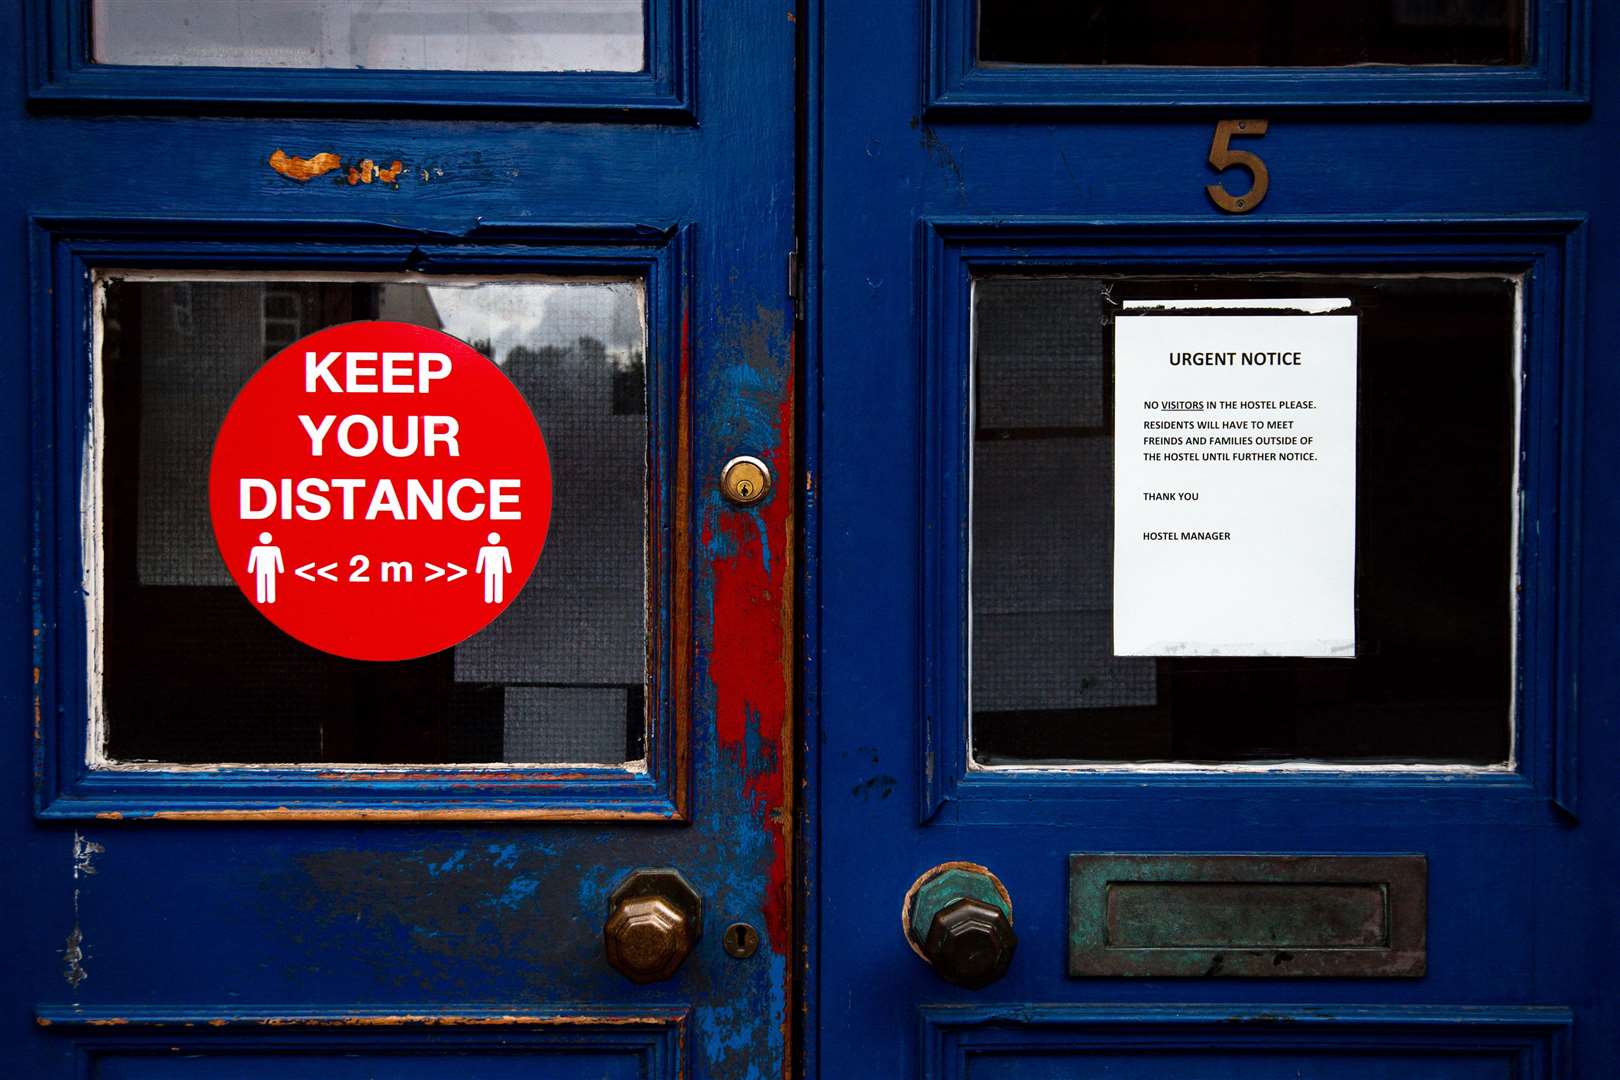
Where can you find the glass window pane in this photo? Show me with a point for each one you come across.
(398, 35)
(192, 673)
(1251, 33)
(1432, 677)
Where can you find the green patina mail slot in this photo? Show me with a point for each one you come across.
(1248, 915)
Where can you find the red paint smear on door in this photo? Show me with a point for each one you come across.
(751, 661)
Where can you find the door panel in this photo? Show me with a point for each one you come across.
(485, 1046)
(1194, 1041)
(936, 182)
(411, 909)
(79, 782)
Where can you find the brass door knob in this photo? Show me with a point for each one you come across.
(654, 919)
(958, 917)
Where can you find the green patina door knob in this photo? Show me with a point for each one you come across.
(958, 917)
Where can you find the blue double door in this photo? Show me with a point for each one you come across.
(811, 749)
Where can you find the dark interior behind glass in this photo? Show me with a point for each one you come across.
(1432, 676)
(1252, 33)
(192, 673)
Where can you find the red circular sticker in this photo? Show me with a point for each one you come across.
(380, 491)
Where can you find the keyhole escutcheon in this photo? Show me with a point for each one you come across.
(741, 940)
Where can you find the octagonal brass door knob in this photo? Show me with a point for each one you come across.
(958, 917)
(655, 917)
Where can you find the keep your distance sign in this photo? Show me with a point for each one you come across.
(380, 491)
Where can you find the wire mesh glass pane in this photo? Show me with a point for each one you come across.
(192, 673)
(1432, 676)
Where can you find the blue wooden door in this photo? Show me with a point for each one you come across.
(229, 854)
(1172, 864)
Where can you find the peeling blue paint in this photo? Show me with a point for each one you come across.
(450, 865)
(520, 890)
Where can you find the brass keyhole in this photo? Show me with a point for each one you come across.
(745, 480)
(741, 940)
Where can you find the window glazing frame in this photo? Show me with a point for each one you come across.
(1556, 72)
(62, 72)
(1549, 254)
(67, 255)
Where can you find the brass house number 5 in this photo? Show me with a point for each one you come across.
(1223, 157)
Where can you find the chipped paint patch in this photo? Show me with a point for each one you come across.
(454, 863)
(368, 170)
(73, 952)
(517, 893)
(364, 171)
(303, 170)
(84, 853)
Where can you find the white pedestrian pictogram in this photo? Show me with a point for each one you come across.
(494, 562)
(264, 563)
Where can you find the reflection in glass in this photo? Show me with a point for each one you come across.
(191, 673)
(397, 35)
(1251, 33)
(1432, 678)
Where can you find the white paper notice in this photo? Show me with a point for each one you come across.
(1235, 482)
